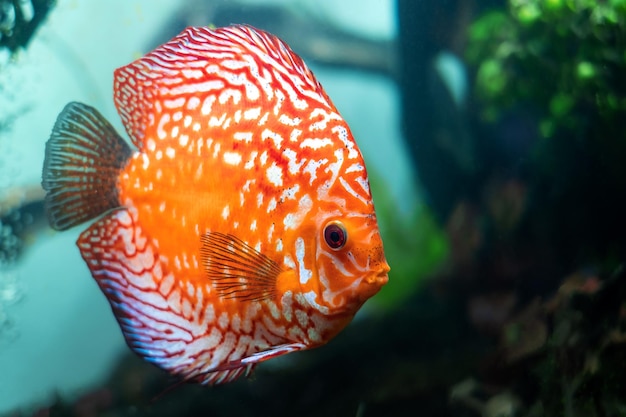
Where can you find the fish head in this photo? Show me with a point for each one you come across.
(351, 263)
(348, 263)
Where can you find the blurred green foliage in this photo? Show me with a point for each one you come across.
(560, 55)
(415, 246)
(562, 65)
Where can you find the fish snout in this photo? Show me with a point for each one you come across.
(378, 266)
(380, 276)
(374, 281)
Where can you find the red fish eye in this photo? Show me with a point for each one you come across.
(335, 235)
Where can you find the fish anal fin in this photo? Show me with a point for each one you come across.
(83, 158)
(236, 269)
(127, 266)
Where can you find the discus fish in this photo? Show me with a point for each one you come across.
(241, 226)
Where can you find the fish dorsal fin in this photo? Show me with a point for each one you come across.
(83, 158)
(201, 63)
(236, 269)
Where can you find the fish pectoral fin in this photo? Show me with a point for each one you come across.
(273, 353)
(83, 158)
(223, 374)
(234, 369)
(236, 269)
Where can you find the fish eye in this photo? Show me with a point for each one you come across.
(335, 235)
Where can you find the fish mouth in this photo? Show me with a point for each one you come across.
(373, 282)
(379, 277)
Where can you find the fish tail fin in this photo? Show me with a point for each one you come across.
(84, 156)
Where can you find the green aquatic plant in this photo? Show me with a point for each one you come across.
(551, 74)
(562, 65)
(562, 56)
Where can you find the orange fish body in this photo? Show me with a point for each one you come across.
(242, 227)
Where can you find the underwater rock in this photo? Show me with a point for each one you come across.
(19, 19)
